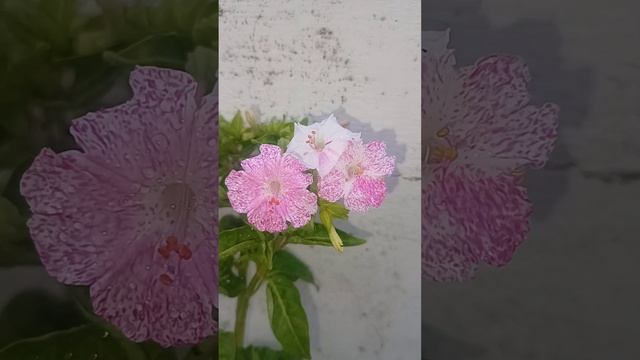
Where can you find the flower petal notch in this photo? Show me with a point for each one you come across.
(272, 189)
(481, 134)
(133, 214)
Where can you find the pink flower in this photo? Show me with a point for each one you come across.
(134, 214)
(481, 134)
(272, 190)
(359, 176)
(320, 145)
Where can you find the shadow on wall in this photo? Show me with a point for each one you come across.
(539, 43)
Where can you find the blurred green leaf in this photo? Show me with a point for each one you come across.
(83, 342)
(15, 247)
(287, 316)
(34, 313)
(288, 265)
(202, 64)
(206, 350)
(168, 50)
(319, 236)
(45, 24)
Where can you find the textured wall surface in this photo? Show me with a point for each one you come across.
(362, 58)
(571, 291)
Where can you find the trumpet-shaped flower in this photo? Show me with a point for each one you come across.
(272, 189)
(320, 145)
(133, 214)
(481, 133)
(359, 176)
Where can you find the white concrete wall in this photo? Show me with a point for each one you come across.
(363, 56)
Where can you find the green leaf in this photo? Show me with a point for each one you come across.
(231, 222)
(168, 50)
(227, 346)
(154, 351)
(287, 316)
(319, 236)
(15, 246)
(41, 23)
(288, 265)
(231, 284)
(202, 64)
(264, 353)
(237, 239)
(206, 350)
(83, 342)
(334, 209)
(36, 312)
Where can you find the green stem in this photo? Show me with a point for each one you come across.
(242, 305)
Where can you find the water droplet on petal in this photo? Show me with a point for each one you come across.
(160, 141)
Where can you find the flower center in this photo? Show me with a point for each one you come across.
(274, 189)
(316, 142)
(177, 201)
(178, 198)
(439, 149)
(354, 170)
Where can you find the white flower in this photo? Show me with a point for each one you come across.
(320, 145)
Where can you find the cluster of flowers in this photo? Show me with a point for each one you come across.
(273, 188)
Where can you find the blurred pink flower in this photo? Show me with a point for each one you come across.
(480, 134)
(272, 189)
(359, 176)
(134, 214)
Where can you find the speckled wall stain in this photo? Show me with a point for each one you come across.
(361, 60)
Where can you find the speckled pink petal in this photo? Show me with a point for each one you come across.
(524, 138)
(259, 164)
(366, 193)
(331, 187)
(244, 190)
(300, 206)
(467, 220)
(500, 131)
(268, 218)
(134, 299)
(143, 139)
(376, 162)
(79, 214)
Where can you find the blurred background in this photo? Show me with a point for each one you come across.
(571, 290)
(60, 59)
